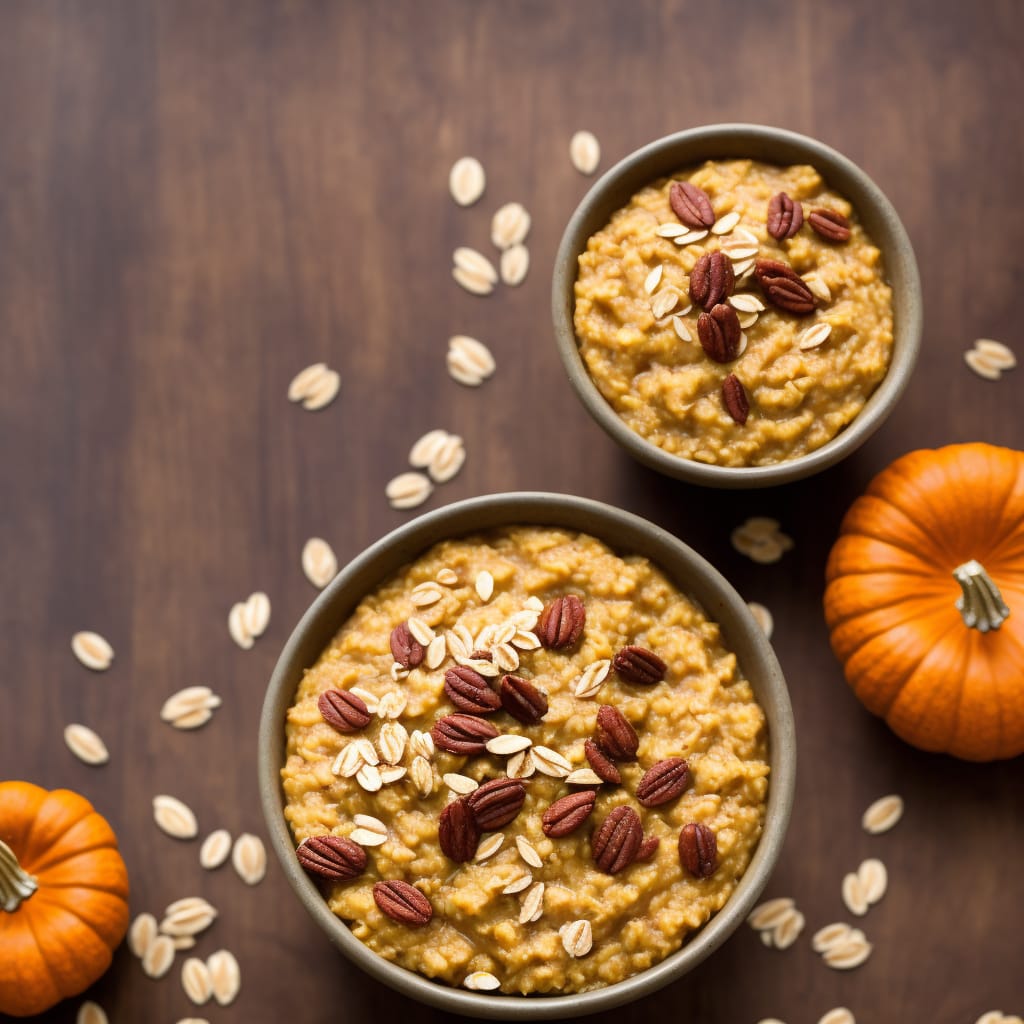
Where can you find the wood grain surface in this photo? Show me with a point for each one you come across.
(199, 198)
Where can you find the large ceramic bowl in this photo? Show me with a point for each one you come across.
(770, 145)
(627, 534)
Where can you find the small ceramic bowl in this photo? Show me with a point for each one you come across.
(770, 145)
(628, 534)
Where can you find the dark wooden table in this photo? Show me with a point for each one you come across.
(199, 198)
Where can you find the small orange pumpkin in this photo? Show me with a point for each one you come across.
(63, 897)
(944, 672)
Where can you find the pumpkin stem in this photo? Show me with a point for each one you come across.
(982, 606)
(16, 885)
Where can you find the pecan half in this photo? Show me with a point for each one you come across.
(561, 623)
(648, 848)
(615, 735)
(691, 204)
(522, 700)
(616, 842)
(784, 287)
(402, 902)
(332, 857)
(462, 734)
(496, 803)
(405, 648)
(830, 224)
(469, 691)
(712, 279)
(698, 850)
(663, 781)
(734, 398)
(601, 763)
(343, 711)
(457, 831)
(785, 216)
(482, 655)
(719, 332)
(639, 665)
(566, 815)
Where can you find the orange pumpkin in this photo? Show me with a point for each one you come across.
(63, 897)
(944, 671)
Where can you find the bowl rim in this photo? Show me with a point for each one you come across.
(719, 600)
(868, 198)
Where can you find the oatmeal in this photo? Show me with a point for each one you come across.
(798, 317)
(526, 763)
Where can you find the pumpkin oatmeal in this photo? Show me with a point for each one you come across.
(736, 314)
(526, 763)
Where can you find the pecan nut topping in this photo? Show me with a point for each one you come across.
(522, 700)
(405, 648)
(457, 831)
(602, 764)
(402, 902)
(691, 204)
(663, 781)
(343, 711)
(332, 857)
(639, 665)
(784, 287)
(496, 803)
(712, 279)
(566, 815)
(561, 623)
(469, 691)
(615, 735)
(648, 848)
(720, 333)
(734, 398)
(830, 224)
(698, 850)
(617, 841)
(462, 734)
(482, 655)
(785, 216)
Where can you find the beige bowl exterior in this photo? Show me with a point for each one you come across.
(623, 532)
(775, 146)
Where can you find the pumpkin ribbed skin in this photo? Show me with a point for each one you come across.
(890, 600)
(62, 937)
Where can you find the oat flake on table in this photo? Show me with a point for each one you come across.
(249, 858)
(315, 387)
(467, 180)
(174, 817)
(407, 490)
(585, 152)
(92, 650)
(469, 361)
(319, 563)
(226, 976)
(215, 850)
(86, 745)
(510, 226)
(91, 1013)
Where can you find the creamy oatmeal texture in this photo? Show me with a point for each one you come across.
(704, 711)
(666, 389)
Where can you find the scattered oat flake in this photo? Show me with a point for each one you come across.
(447, 578)
(469, 361)
(367, 837)
(883, 814)
(533, 905)
(423, 451)
(982, 365)
(425, 594)
(840, 1015)
(653, 279)
(523, 881)
(819, 288)
(829, 936)
(86, 744)
(448, 459)
(466, 180)
(141, 934)
(725, 223)
(257, 613)
(762, 617)
(814, 336)
(746, 302)
(484, 585)
(92, 650)
(325, 392)
(236, 626)
(682, 331)
(159, 957)
(481, 981)
(436, 651)
(508, 744)
(585, 152)
(319, 563)
(474, 262)
(770, 913)
(520, 766)
(475, 284)
(249, 858)
(671, 230)
(550, 762)
(215, 849)
(874, 880)
(515, 265)
(188, 916)
(184, 709)
(788, 930)
(847, 955)
(853, 895)
(663, 302)
(196, 980)
(91, 1013)
(369, 778)
(528, 852)
(422, 775)
(174, 817)
(998, 354)
(407, 490)
(510, 225)
(226, 976)
(577, 937)
(583, 777)
(489, 847)
(461, 784)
